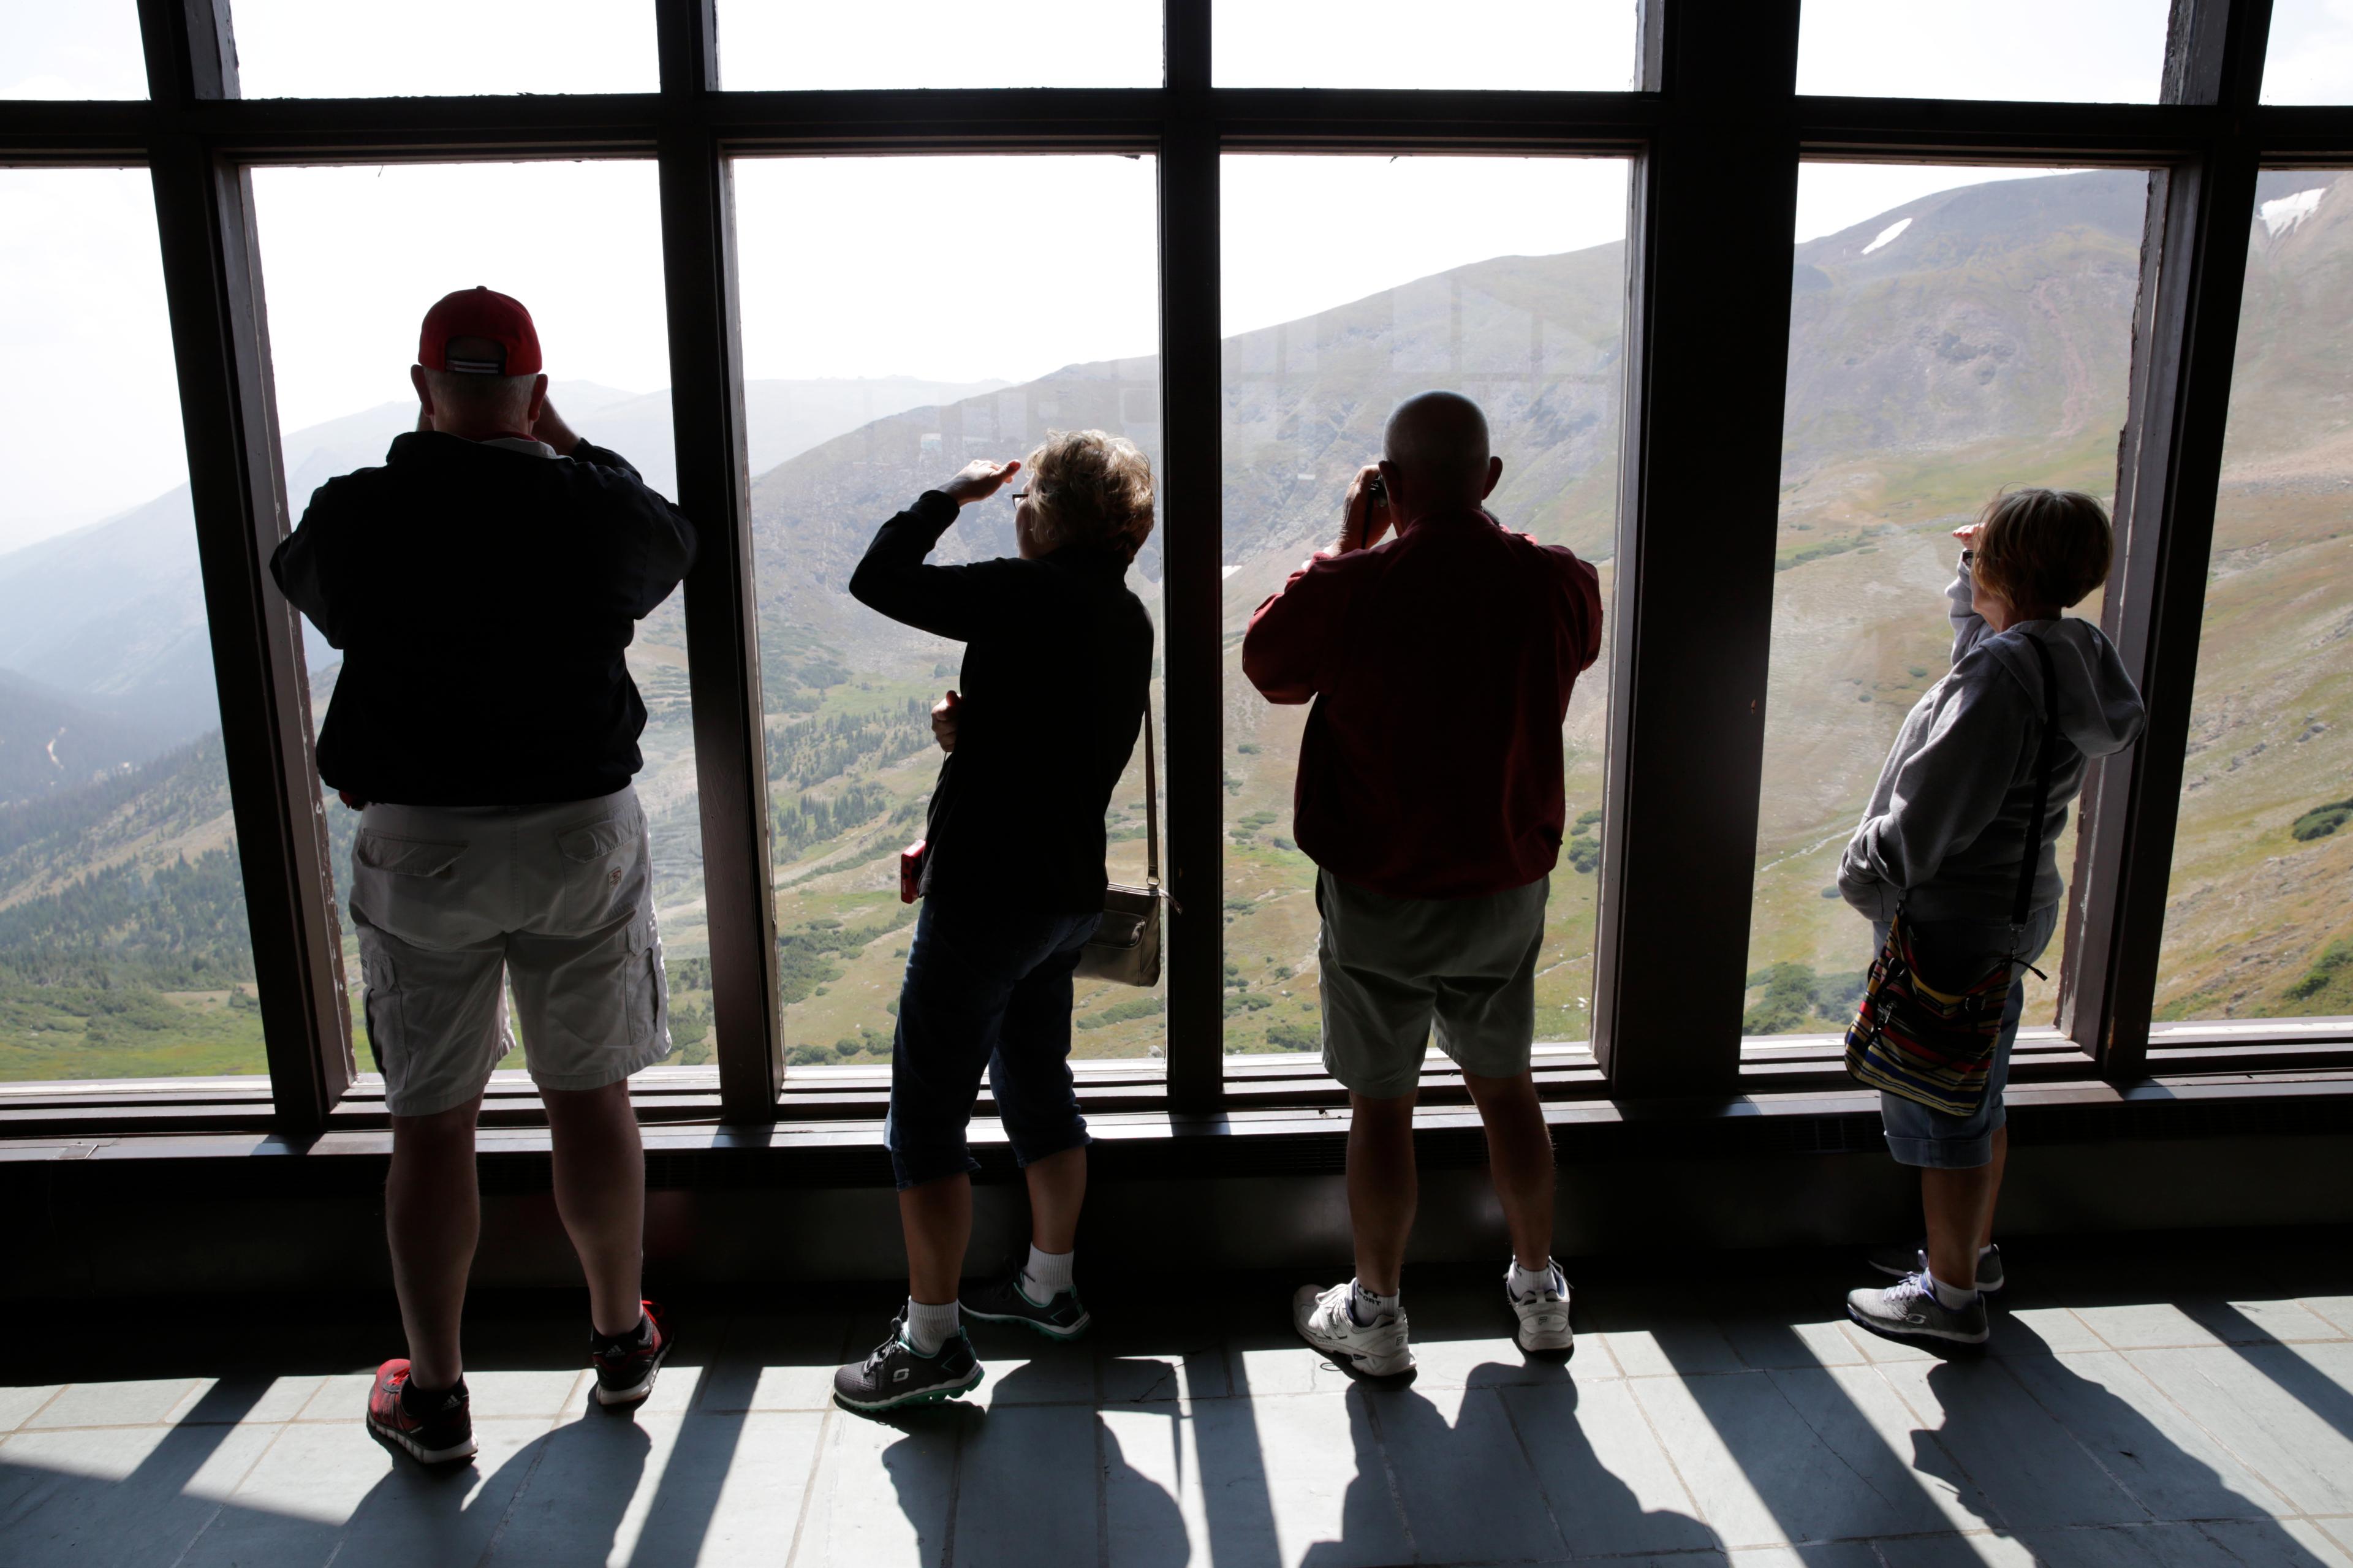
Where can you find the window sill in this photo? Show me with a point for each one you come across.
(1259, 1089)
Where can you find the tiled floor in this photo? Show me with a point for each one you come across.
(2185, 1403)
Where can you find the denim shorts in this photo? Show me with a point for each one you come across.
(987, 989)
(1952, 953)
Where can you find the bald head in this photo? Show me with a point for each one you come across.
(1436, 451)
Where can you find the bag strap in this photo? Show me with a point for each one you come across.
(1150, 800)
(2045, 759)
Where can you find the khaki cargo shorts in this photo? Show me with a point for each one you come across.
(1393, 967)
(452, 905)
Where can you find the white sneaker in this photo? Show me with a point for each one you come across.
(1543, 1315)
(1378, 1349)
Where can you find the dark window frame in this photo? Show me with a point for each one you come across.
(1717, 131)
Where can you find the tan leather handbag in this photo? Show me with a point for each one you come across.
(1125, 948)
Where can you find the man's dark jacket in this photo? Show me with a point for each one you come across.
(1058, 657)
(483, 594)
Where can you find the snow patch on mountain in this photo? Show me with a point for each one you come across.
(2283, 215)
(1888, 234)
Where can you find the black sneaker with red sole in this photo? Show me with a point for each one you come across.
(626, 1370)
(445, 1434)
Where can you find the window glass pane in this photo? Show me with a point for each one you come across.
(362, 48)
(2310, 59)
(1519, 306)
(87, 49)
(1939, 350)
(2088, 51)
(123, 946)
(767, 47)
(2258, 921)
(898, 361)
(1557, 46)
(353, 258)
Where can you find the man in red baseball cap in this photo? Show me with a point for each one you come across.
(484, 585)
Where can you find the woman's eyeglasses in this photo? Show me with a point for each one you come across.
(1968, 557)
(1021, 496)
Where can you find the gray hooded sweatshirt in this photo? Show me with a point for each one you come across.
(1947, 823)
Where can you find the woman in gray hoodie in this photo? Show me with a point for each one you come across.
(1943, 840)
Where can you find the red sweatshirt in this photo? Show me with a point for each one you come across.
(1440, 664)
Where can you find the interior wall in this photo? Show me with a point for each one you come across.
(74, 1240)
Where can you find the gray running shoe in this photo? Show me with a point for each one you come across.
(1002, 1300)
(896, 1374)
(1909, 1309)
(1901, 1260)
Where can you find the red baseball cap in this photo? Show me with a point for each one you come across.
(479, 314)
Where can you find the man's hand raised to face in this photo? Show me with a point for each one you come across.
(980, 480)
(1366, 515)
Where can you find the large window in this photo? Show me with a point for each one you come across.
(987, 301)
(2259, 918)
(1940, 351)
(354, 257)
(124, 943)
(913, 234)
(1518, 305)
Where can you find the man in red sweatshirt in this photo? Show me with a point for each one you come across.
(1430, 796)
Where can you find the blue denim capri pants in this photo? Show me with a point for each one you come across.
(987, 990)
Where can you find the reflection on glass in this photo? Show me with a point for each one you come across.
(123, 945)
(353, 258)
(366, 48)
(1560, 45)
(2088, 51)
(2258, 918)
(1940, 351)
(1523, 312)
(2310, 59)
(767, 47)
(885, 367)
(89, 48)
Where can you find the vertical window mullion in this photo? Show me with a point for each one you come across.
(1191, 488)
(1710, 244)
(211, 280)
(2169, 469)
(721, 628)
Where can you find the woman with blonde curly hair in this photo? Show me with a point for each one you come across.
(1057, 655)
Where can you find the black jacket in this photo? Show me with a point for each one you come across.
(1057, 661)
(482, 596)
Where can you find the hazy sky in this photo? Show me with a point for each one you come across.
(948, 268)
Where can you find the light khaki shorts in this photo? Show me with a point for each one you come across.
(1393, 968)
(451, 905)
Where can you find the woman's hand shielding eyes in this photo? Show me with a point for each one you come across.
(979, 480)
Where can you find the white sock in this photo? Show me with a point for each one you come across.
(1985, 1252)
(1537, 1281)
(1952, 1298)
(1367, 1307)
(928, 1327)
(1047, 1275)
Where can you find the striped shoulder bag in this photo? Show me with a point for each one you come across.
(1931, 1046)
